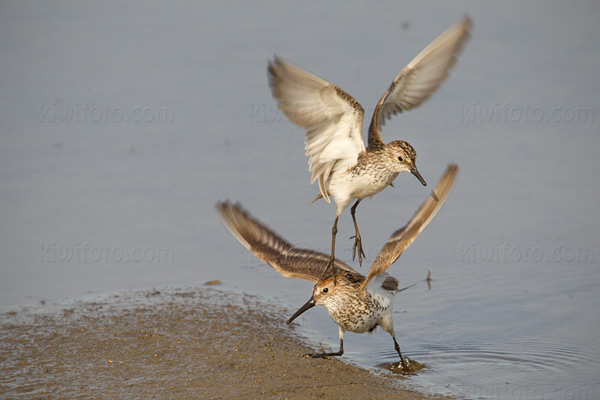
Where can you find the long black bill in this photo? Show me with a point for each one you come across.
(416, 173)
(403, 289)
(309, 304)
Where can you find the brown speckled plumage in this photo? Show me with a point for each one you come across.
(355, 303)
(345, 169)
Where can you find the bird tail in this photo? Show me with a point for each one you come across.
(319, 196)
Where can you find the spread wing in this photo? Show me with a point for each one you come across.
(331, 117)
(403, 237)
(270, 248)
(421, 77)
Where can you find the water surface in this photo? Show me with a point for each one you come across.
(123, 125)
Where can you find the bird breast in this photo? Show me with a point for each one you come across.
(358, 312)
(362, 180)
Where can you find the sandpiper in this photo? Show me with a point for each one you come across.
(333, 121)
(355, 303)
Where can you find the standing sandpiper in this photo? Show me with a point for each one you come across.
(333, 122)
(355, 303)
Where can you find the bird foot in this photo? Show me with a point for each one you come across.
(406, 366)
(324, 355)
(358, 246)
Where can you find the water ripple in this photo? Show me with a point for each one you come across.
(541, 368)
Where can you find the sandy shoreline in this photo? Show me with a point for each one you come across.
(193, 343)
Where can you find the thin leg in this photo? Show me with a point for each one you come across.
(338, 353)
(404, 365)
(331, 263)
(357, 239)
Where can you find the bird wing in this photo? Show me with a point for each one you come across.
(421, 77)
(331, 117)
(403, 237)
(272, 249)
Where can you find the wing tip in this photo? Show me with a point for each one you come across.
(230, 214)
(439, 195)
(273, 63)
(466, 21)
(272, 67)
(445, 183)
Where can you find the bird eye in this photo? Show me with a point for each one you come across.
(400, 159)
(325, 290)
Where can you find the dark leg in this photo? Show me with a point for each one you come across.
(357, 239)
(331, 264)
(404, 365)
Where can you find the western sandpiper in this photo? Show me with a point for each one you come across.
(355, 303)
(333, 121)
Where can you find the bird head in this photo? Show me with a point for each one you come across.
(405, 157)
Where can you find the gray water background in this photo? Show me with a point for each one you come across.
(123, 124)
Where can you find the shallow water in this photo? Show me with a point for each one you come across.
(527, 346)
(97, 206)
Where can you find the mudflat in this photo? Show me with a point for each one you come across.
(199, 343)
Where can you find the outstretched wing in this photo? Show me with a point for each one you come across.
(403, 237)
(331, 117)
(421, 77)
(269, 247)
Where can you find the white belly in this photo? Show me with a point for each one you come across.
(348, 185)
(363, 314)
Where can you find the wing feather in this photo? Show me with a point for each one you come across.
(331, 117)
(403, 237)
(421, 77)
(272, 249)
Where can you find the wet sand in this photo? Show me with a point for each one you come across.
(195, 343)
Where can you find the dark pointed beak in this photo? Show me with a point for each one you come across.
(309, 304)
(408, 287)
(416, 173)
